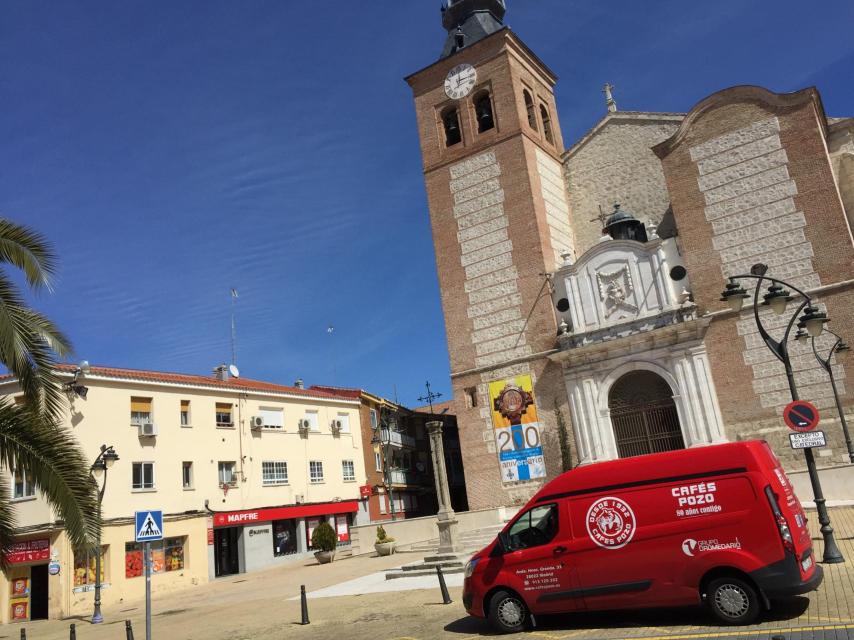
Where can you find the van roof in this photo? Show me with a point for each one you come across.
(687, 465)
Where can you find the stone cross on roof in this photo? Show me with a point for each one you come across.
(609, 98)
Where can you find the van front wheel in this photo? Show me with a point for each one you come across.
(733, 601)
(507, 612)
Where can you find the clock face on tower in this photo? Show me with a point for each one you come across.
(460, 81)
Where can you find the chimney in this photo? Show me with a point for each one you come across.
(221, 373)
(299, 384)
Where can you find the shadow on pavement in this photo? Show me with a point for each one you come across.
(782, 610)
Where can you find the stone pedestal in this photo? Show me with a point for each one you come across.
(447, 523)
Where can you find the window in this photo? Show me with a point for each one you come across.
(187, 474)
(378, 460)
(383, 507)
(84, 567)
(451, 124)
(274, 472)
(226, 473)
(143, 475)
(344, 419)
(373, 419)
(185, 413)
(471, 396)
(313, 422)
(166, 555)
(284, 537)
(483, 112)
(140, 410)
(349, 470)
(537, 526)
(529, 109)
(223, 414)
(547, 123)
(315, 471)
(22, 486)
(273, 418)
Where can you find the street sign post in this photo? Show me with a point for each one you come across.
(800, 416)
(807, 440)
(149, 526)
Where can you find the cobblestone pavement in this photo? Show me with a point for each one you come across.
(260, 605)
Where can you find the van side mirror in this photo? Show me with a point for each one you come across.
(504, 542)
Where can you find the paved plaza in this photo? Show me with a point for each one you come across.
(350, 599)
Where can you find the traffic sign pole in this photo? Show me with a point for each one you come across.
(147, 553)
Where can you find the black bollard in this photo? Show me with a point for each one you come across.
(446, 598)
(23, 634)
(72, 632)
(303, 604)
(128, 630)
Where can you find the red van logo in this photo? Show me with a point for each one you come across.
(611, 523)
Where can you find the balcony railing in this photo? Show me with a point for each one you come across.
(401, 477)
(397, 438)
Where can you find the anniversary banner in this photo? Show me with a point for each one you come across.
(517, 429)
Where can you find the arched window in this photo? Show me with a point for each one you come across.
(547, 123)
(483, 112)
(529, 108)
(451, 123)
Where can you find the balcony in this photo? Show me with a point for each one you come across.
(401, 477)
(397, 438)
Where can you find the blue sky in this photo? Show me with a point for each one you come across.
(174, 150)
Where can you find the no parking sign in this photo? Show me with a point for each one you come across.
(801, 416)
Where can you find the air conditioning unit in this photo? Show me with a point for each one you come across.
(304, 425)
(336, 426)
(256, 422)
(147, 429)
(299, 499)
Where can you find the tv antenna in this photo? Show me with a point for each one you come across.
(430, 396)
(233, 329)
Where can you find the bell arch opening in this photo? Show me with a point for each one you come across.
(644, 415)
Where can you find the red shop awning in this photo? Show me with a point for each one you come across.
(253, 516)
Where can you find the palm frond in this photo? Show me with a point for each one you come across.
(7, 524)
(28, 250)
(53, 459)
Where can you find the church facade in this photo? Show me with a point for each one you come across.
(581, 287)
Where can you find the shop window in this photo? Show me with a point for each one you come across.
(451, 125)
(273, 418)
(284, 537)
(166, 555)
(383, 502)
(529, 109)
(142, 476)
(185, 413)
(84, 567)
(547, 123)
(226, 474)
(349, 470)
(344, 419)
(483, 112)
(313, 422)
(187, 474)
(315, 471)
(22, 486)
(140, 411)
(223, 414)
(274, 472)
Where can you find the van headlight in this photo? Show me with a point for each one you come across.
(470, 565)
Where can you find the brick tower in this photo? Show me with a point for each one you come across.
(491, 147)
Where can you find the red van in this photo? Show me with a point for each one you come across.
(718, 524)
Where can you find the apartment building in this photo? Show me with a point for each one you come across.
(243, 471)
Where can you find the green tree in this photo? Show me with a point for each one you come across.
(33, 439)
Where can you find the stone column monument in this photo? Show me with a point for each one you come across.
(447, 523)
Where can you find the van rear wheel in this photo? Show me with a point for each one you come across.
(733, 601)
(507, 612)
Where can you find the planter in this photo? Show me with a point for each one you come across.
(384, 548)
(324, 557)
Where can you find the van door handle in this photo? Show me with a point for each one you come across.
(559, 550)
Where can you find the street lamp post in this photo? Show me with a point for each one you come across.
(812, 323)
(102, 463)
(841, 350)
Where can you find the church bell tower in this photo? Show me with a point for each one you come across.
(491, 147)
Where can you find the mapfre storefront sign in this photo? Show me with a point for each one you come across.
(237, 518)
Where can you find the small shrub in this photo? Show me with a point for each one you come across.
(382, 537)
(323, 537)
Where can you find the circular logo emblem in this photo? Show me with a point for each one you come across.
(689, 546)
(611, 523)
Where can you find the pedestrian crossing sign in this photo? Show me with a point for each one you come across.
(149, 526)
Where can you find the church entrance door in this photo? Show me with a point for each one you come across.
(644, 415)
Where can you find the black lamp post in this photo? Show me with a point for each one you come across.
(841, 350)
(102, 463)
(382, 436)
(812, 323)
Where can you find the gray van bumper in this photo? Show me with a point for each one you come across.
(783, 579)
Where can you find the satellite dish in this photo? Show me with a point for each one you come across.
(234, 371)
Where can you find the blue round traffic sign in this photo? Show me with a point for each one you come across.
(800, 415)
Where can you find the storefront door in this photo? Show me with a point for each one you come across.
(226, 556)
(38, 592)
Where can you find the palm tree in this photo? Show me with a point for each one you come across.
(33, 440)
